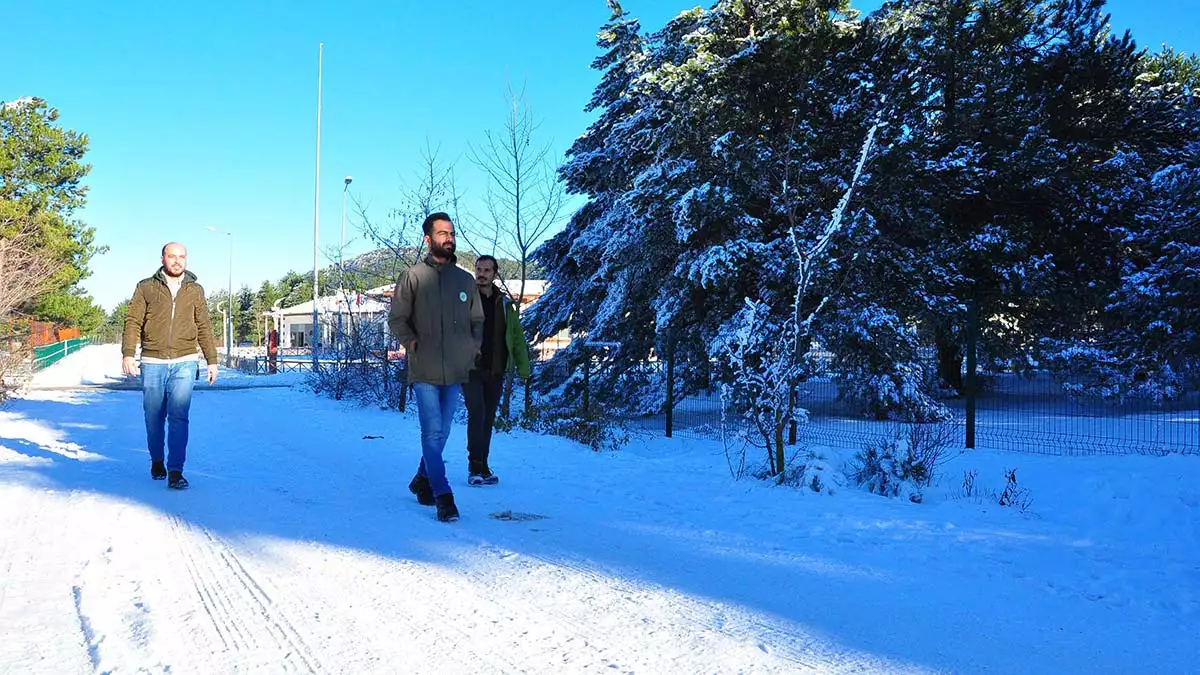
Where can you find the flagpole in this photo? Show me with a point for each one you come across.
(316, 328)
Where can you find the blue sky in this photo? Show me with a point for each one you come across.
(203, 114)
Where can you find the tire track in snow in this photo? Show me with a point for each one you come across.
(243, 615)
(85, 627)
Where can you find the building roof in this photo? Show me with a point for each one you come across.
(534, 288)
(353, 303)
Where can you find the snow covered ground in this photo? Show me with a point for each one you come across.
(299, 549)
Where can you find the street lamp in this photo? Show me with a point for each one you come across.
(341, 264)
(345, 190)
(229, 317)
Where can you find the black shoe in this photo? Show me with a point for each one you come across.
(421, 488)
(446, 510)
(158, 470)
(176, 481)
(482, 477)
(480, 474)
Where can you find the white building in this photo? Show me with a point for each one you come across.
(369, 309)
(363, 310)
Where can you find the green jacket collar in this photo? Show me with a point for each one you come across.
(439, 266)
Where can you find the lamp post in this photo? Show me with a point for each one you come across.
(316, 332)
(341, 264)
(225, 322)
(229, 317)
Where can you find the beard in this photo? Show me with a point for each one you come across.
(441, 251)
(173, 271)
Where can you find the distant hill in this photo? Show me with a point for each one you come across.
(382, 266)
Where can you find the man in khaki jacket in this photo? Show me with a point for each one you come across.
(437, 316)
(168, 316)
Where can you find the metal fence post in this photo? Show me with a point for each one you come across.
(972, 389)
(793, 400)
(670, 403)
(529, 396)
(587, 380)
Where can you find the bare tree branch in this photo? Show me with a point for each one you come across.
(25, 273)
(435, 189)
(524, 198)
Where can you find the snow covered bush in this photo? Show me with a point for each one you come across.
(881, 468)
(1013, 495)
(578, 396)
(817, 470)
(592, 428)
(904, 462)
(358, 369)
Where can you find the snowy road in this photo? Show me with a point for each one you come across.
(299, 550)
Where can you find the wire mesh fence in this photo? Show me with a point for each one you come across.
(1027, 411)
(1023, 412)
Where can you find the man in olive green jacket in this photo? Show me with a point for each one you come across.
(436, 315)
(504, 350)
(168, 316)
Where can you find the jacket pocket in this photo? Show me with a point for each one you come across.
(185, 334)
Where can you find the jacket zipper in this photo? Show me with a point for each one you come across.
(171, 325)
(442, 324)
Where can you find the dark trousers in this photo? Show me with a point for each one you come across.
(482, 394)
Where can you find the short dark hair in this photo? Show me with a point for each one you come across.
(427, 226)
(485, 257)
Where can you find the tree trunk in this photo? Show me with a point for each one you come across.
(780, 459)
(950, 359)
(506, 407)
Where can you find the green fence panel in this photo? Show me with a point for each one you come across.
(48, 355)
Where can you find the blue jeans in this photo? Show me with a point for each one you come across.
(166, 400)
(435, 408)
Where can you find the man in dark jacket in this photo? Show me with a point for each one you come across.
(504, 350)
(436, 315)
(168, 316)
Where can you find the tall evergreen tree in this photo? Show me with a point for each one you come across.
(41, 182)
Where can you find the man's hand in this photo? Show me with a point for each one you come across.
(411, 347)
(212, 373)
(129, 366)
